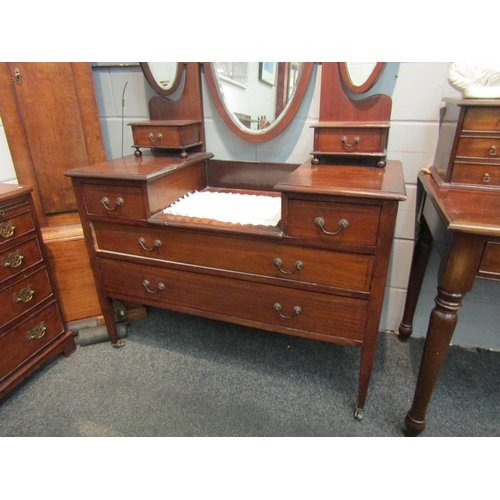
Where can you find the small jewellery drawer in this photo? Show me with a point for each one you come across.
(485, 119)
(479, 147)
(166, 134)
(28, 337)
(350, 140)
(23, 295)
(18, 258)
(283, 309)
(481, 174)
(262, 258)
(15, 226)
(333, 223)
(490, 263)
(115, 202)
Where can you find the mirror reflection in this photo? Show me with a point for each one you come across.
(164, 73)
(255, 94)
(359, 72)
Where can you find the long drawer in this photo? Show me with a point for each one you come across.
(287, 310)
(29, 337)
(245, 255)
(19, 258)
(23, 295)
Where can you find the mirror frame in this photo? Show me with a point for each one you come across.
(367, 85)
(279, 125)
(154, 84)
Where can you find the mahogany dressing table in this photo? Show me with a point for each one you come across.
(319, 273)
(458, 206)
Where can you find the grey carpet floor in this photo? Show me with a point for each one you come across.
(181, 375)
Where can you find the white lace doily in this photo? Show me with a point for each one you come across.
(257, 210)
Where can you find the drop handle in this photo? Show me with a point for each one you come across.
(7, 229)
(160, 288)
(156, 244)
(320, 222)
(493, 151)
(151, 136)
(344, 140)
(105, 202)
(296, 310)
(278, 263)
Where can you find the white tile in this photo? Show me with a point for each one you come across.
(414, 145)
(7, 171)
(399, 266)
(419, 90)
(405, 222)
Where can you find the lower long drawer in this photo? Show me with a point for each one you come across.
(294, 311)
(27, 338)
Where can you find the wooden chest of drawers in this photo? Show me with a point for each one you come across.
(468, 152)
(320, 273)
(31, 328)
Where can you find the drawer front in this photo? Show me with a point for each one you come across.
(115, 202)
(262, 258)
(18, 258)
(312, 220)
(490, 263)
(23, 295)
(350, 140)
(153, 136)
(29, 337)
(15, 226)
(473, 147)
(236, 300)
(484, 119)
(484, 175)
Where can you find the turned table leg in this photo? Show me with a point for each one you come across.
(420, 259)
(456, 277)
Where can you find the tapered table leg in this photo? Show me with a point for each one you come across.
(421, 253)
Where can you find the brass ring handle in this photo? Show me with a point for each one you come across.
(320, 222)
(156, 244)
(160, 288)
(298, 266)
(357, 140)
(493, 151)
(486, 178)
(296, 310)
(7, 229)
(24, 295)
(13, 259)
(159, 137)
(38, 332)
(119, 203)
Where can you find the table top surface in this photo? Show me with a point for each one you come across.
(465, 210)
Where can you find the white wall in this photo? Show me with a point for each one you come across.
(7, 172)
(416, 90)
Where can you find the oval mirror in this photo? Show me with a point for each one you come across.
(163, 77)
(257, 101)
(359, 77)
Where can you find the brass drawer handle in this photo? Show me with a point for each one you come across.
(24, 295)
(156, 244)
(298, 266)
(493, 151)
(160, 288)
(159, 137)
(119, 203)
(7, 229)
(13, 259)
(320, 222)
(38, 332)
(486, 178)
(344, 139)
(296, 310)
